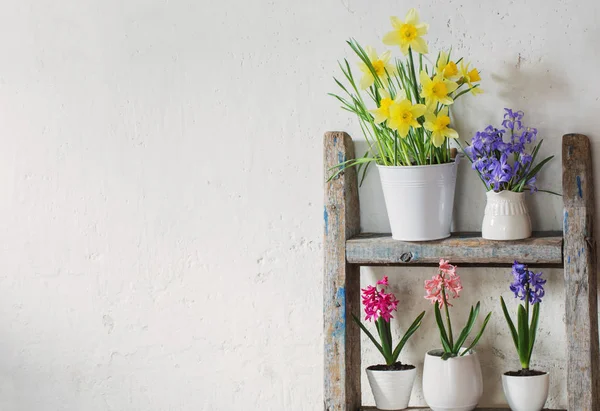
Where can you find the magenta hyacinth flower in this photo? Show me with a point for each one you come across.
(378, 303)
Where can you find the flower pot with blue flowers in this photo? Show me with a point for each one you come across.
(392, 382)
(507, 169)
(525, 389)
(402, 106)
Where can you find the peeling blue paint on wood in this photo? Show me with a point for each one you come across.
(341, 157)
(326, 219)
(581, 303)
(339, 328)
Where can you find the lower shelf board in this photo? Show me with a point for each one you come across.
(429, 409)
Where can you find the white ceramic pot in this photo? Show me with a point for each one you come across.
(526, 393)
(419, 200)
(454, 384)
(391, 389)
(506, 216)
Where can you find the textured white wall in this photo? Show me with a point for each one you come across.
(161, 190)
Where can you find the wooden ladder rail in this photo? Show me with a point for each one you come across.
(342, 389)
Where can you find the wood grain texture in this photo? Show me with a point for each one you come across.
(580, 275)
(429, 409)
(341, 280)
(375, 249)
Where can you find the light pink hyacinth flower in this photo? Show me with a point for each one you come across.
(378, 303)
(445, 281)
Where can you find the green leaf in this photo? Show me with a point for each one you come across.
(447, 355)
(523, 330)
(442, 328)
(533, 329)
(511, 325)
(476, 340)
(411, 330)
(537, 168)
(373, 340)
(468, 327)
(550, 192)
(347, 164)
(384, 332)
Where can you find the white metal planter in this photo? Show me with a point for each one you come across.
(506, 216)
(454, 384)
(391, 389)
(419, 200)
(526, 393)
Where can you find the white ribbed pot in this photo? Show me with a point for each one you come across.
(454, 384)
(391, 389)
(419, 200)
(506, 216)
(526, 393)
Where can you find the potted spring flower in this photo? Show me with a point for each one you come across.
(507, 169)
(391, 382)
(402, 106)
(526, 389)
(452, 375)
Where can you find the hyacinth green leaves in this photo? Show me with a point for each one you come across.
(378, 306)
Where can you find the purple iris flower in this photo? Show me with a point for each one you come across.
(527, 284)
(500, 170)
(504, 165)
(531, 184)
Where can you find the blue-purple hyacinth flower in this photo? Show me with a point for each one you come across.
(527, 284)
(504, 165)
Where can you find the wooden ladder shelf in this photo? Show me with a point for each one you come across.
(346, 249)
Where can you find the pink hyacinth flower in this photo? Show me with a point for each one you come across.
(378, 303)
(446, 280)
(383, 281)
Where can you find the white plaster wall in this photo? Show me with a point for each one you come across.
(161, 190)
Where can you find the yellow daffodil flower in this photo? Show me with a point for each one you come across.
(470, 76)
(436, 90)
(382, 113)
(438, 125)
(404, 115)
(408, 33)
(381, 64)
(447, 67)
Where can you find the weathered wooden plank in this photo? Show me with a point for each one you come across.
(342, 281)
(373, 249)
(583, 359)
(429, 409)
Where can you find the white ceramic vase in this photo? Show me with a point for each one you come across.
(391, 389)
(506, 216)
(419, 200)
(454, 384)
(526, 393)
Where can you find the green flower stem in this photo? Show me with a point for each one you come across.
(527, 315)
(405, 152)
(450, 338)
(412, 73)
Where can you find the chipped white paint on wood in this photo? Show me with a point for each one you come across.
(580, 275)
(341, 280)
(370, 249)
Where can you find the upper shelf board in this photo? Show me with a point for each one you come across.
(543, 248)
